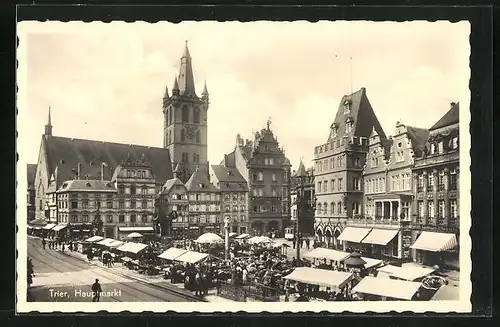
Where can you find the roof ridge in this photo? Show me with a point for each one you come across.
(108, 142)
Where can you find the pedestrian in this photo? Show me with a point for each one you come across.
(307, 243)
(96, 291)
(294, 243)
(63, 247)
(43, 243)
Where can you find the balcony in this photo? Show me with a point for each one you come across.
(437, 159)
(378, 222)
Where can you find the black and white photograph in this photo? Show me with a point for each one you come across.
(311, 166)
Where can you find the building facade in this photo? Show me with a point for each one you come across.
(263, 164)
(185, 121)
(339, 165)
(31, 203)
(435, 211)
(204, 204)
(302, 189)
(173, 198)
(388, 193)
(234, 196)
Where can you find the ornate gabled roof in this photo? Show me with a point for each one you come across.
(418, 137)
(169, 184)
(199, 182)
(450, 118)
(31, 171)
(68, 153)
(361, 113)
(227, 174)
(87, 186)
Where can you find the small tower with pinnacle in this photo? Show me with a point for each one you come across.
(48, 126)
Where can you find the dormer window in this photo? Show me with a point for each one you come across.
(347, 107)
(348, 125)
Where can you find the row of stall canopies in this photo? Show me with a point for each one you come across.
(427, 241)
(129, 247)
(182, 255)
(341, 257)
(208, 238)
(40, 224)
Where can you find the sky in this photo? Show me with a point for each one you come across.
(105, 81)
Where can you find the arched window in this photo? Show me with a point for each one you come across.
(185, 114)
(332, 208)
(132, 189)
(197, 136)
(339, 208)
(171, 112)
(183, 135)
(319, 209)
(325, 208)
(196, 116)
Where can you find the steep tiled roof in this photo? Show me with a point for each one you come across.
(31, 171)
(87, 186)
(418, 137)
(301, 171)
(227, 174)
(198, 182)
(450, 118)
(171, 183)
(361, 112)
(90, 154)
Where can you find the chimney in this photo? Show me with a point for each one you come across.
(452, 104)
(79, 171)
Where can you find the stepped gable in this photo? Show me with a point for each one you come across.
(227, 174)
(361, 112)
(199, 182)
(91, 154)
(450, 118)
(31, 172)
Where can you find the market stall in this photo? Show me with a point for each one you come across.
(172, 253)
(132, 247)
(243, 236)
(320, 277)
(405, 273)
(94, 239)
(387, 288)
(209, 238)
(192, 257)
(322, 253)
(259, 240)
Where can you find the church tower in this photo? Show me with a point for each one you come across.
(48, 127)
(185, 122)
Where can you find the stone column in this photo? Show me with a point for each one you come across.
(426, 206)
(400, 244)
(390, 210)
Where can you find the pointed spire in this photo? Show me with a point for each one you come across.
(205, 91)
(301, 171)
(166, 96)
(175, 89)
(186, 79)
(48, 127)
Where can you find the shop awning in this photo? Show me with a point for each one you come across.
(37, 222)
(60, 227)
(135, 229)
(132, 247)
(435, 242)
(49, 226)
(371, 263)
(406, 273)
(396, 289)
(323, 253)
(380, 236)
(353, 234)
(94, 239)
(243, 236)
(172, 253)
(110, 242)
(192, 257)
(321, 277)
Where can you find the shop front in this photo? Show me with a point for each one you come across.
(80, 231)
(383, 244)
(433, 248)
(351, 238)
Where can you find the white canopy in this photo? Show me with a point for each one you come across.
(172, 253)
(209, 238)
(110, 242)
(370, 263)
(136, 229)
(243, 236)
(59, 227)
(321, 277)
(380, 236)
(354, 234)
(397, 289)
(232, 234)
(406, 273)
(323, 253)
(134, 235)
(94, 239)
(49, 226)
(132, 247)
(115, 244)
(259, 239)
(192, 257)
(435, 242)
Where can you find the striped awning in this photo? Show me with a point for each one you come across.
(435, 242)
(49, 226)
(354, 234)
(380, 236)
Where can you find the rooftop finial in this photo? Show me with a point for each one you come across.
(268, 123)
(48, 127)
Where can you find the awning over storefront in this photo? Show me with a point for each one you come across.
(321, 277)
(60, 227)
(49, 226)
(132, 247)
(322, 253)
(192, 257)
(94, 239)
(136, 229)
(380, 236)
(406, 273)
(396, 289)
(353, 234)
(435, 242)
(172, 253)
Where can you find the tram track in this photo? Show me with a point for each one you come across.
(126, 288)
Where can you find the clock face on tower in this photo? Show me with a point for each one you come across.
(191, 132)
